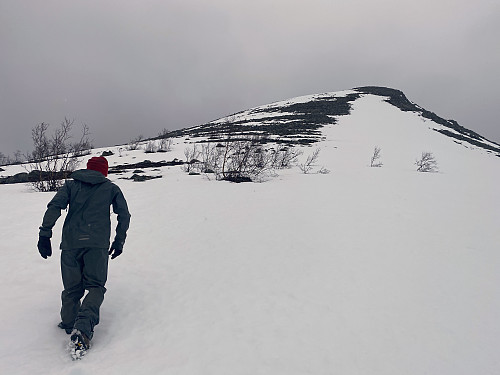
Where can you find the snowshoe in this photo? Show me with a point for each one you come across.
(66, 328)
(79, 344)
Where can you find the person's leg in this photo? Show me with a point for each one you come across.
(95, 273)
(72, 277)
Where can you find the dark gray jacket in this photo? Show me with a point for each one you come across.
(88, 222)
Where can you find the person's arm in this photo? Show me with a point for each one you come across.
(59, 202)
(120, 208)
(53, 212)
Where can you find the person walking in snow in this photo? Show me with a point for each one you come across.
(85, 244)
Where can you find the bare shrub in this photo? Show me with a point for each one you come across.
(323, 170)
(18, 157)
(426, 163)
(150, 147)
(164, 133)
(236, 160)
(165, 144)
(284, 157)
(84, 145)
(134, 144)
(210, 158)
(375, 160)
(54, 157)
(192, 154)
(241, 159)
(307, 166)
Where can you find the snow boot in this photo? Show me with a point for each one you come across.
(68, 329)
(79, 344)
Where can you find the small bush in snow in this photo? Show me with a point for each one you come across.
(150, 147)
(134, 144)
(54, 158)
(323, 170)
(4, 160)
(376, 157)
(308, 164)
(238, 160)
(165, 145)
(426, 163)
(284, 157)
(165, 141)
(8, 160)
(192, 163)
(243, 160)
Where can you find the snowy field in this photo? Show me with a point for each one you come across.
(359, 271)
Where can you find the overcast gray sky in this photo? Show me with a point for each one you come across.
(127, 67)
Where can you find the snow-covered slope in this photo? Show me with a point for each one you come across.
(300, 120)
(358, 271)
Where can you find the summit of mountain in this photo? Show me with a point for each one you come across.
(301, 120)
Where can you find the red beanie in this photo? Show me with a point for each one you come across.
(99, 164)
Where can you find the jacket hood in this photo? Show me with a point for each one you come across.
(89, 176)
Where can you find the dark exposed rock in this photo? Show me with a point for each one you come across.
(34, 176)
(294, 123)
(141, 178)
(236, 177)
(17, 178)
(144, 164)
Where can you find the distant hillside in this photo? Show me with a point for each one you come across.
(296, 120)
(299, 120)
(454, 130)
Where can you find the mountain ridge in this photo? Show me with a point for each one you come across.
(299, 120)
(399, 100)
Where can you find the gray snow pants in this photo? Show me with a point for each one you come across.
(83, 269)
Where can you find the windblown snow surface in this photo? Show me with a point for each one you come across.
(358, 271)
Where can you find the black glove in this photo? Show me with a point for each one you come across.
(115, 250)
(44, 247)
